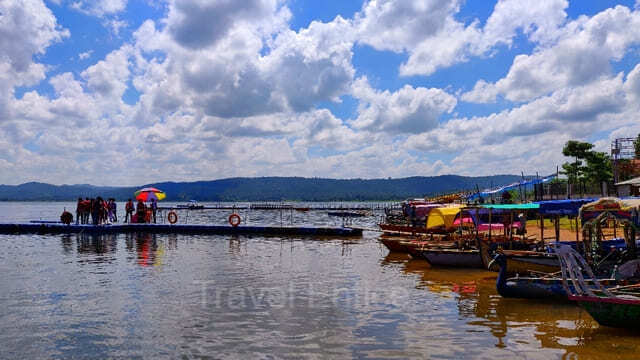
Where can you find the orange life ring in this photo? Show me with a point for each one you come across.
(234, 219)
(172, 217)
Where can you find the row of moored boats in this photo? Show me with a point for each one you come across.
(582, 250)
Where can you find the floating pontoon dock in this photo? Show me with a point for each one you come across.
(59, 228)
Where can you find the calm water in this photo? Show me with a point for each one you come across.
(261, 297)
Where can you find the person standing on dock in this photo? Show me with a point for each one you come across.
(114, 207)
(111, 210)
(95, 211)
(79, 210)
(86, 210)
(128, 208)
(154, 209)
(140, 211)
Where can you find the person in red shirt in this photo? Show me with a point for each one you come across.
(79, 209)
(128, 208)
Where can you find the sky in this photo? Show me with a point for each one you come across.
(128, 92)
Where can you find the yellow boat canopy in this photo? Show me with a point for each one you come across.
(443, 216)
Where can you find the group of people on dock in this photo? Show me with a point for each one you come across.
(101, 211)
(97, 211)
(141, 213)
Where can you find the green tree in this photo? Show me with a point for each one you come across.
(578, 150)
(637, 147)
(598, 168)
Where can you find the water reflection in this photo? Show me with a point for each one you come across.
(91, 248)
(101, 248)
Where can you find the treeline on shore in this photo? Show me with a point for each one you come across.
(267, 189)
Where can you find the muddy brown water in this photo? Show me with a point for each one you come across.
(175, 296)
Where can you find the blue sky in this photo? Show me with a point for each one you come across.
(122, 92)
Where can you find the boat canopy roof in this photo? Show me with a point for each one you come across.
(526, 206)
(620, 208)
(563, 207)
(442, 217)
(612, 204)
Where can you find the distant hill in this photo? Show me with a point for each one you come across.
(267, 189)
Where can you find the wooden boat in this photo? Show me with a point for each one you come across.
(469, 258)
(614, 307)
(404, 244)
(613, 311)
(524, 262)
(461, 251)
(394, 244)
(536, 285)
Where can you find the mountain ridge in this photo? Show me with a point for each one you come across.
(266, 188)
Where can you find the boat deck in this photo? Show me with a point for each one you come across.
(58, 228)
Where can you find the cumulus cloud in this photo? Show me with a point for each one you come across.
(108, 77)
(27, 28)
(433, 38)
(198, 24)
(535, 131)
(407, 110)
(582, 54)
(99, 7)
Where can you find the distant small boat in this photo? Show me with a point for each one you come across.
(347, 213)
(191, 205)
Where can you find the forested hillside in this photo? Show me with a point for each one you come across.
(267, 189)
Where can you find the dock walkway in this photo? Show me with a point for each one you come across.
(58, 228)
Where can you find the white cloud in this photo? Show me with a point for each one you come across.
(108, 78)
(99, 8)
(432, 36)
(198, 24)
(27, 28)
(408, 110)
(400, 25)
(535, 131)
(582, 54)
(85, 55)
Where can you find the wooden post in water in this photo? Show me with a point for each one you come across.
(511, 226)
(490, 225)
(542, 228)
(477, 221)
(557, 227)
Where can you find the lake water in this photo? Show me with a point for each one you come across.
(175, 296)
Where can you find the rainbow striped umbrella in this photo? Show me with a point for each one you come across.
(149, 193)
